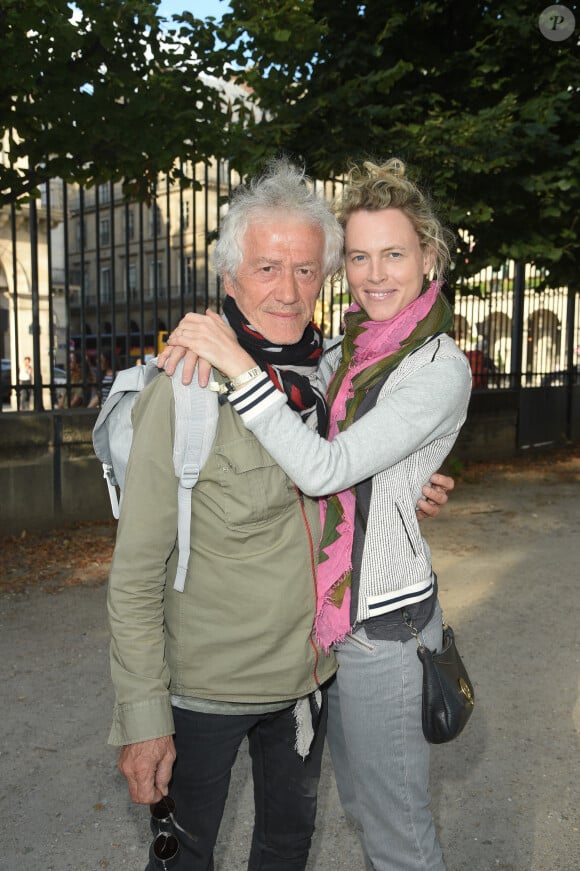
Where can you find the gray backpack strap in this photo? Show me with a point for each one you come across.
(196, 415)
(115, 417)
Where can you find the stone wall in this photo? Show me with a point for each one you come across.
(50, 475)
(48, 471)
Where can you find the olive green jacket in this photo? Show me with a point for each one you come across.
(242, 629)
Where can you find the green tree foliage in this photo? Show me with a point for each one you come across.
(471, 95)
(106, 94)
(479, 103)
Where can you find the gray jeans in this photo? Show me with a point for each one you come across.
(379, 754)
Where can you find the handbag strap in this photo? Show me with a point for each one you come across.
(408, 621)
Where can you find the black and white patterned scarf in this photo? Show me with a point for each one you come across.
(292, 368)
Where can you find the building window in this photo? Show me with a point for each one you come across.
(187, 273)
(156, 278)
(185, 205)
(104, 233)
(130, 224)
(131, 281)
(105, 284)
(81, 233)
(88, 288)
(155, 221)
(78, 279)
(104, 193)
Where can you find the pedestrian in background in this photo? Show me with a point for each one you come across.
(25, 377)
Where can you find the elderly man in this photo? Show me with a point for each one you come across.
(234, 654)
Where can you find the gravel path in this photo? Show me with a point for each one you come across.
(505, 794)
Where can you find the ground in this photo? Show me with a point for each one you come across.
(80, 553)
(505, 793)
(70, 555)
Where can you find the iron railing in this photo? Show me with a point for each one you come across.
(83, 274)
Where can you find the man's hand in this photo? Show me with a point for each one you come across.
(147, 767)
(434, 496)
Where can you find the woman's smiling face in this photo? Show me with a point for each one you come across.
(385, 264)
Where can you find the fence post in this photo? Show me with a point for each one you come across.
(57, 465)
(37, 386)
(570, 358)
(516, 364)
(571, 329)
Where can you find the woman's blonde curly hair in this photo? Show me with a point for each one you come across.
(382, 186)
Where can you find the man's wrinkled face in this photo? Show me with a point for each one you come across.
(280, 276)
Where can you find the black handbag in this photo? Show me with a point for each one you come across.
(448, 696)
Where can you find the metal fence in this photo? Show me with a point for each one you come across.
(516, 329)
(89, 280)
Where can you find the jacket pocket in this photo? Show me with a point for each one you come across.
(409, 528)
(254, 489)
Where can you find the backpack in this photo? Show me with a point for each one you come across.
(196, 414)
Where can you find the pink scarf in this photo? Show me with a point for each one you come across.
(371, 343)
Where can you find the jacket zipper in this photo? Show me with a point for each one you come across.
(300, 497)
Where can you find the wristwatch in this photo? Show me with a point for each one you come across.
(231, 384)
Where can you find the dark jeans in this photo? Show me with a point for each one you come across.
(285, 786)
